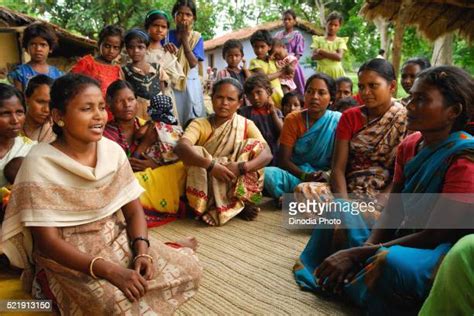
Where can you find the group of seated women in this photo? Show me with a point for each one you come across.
(67, 192)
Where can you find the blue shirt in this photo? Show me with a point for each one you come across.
(198, 50)
(24, 72)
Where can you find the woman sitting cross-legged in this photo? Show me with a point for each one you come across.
(391, 268)
(164, 185)
(307, 139)
(63, 216)
(225, 154)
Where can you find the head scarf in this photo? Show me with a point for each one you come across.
(161, 110)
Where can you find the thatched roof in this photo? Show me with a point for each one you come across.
(245, 33)
(69, 44)
(433, 18)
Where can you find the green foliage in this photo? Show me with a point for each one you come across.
(414, 45)
(464, 55)
(88, 17)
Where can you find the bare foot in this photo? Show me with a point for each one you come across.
(206, 218)
(188, 242)
(249, 213)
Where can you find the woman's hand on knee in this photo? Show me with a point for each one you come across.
(221, 173)
(336, 269)
(144, 267)
(130, 282)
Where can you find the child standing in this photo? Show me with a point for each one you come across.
(263, 113)
(157, 24)
(233, 53)
(147, 79)
(261, 42)
(328, 50)
(294, 42)
(188, 46)
(102, 67)
(39, 40)
(279, 53)
(291, 102)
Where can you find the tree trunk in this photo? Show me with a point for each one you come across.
(398, 36)
(382, 26)
(320, 4)
(443, 50)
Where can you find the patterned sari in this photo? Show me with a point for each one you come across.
(396, 279)
(312, 152)
(54, 190)
(224, 200)
(371, 158)
(161, 199)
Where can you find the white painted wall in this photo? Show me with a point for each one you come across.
(220, 63)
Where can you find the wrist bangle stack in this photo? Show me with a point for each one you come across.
(132, 244)
(241, 166)
(143, 255)
(91, 267)
(211, 165)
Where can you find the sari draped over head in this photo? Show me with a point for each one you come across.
(224, 200)
(312, 152)
(193, 40)
(54, 190)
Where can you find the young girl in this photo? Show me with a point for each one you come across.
(224, 154)
(39, 40)
(262, 43)
(147, 79)
(294, 42)
(157, 24)
(12, 118)
(188, 46)
(328, 50)
(409, 71)
(279, 53)
(82, 246)
(263, 113)
(233, 53)
(38, 125)
(344, 87)
(291, 102)
(103, 67)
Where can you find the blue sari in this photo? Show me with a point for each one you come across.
(396, 279)
(312, 152)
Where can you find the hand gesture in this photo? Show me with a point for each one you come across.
(130, 282)
(233, 167)
(221, 173)
(144, 267)
(171, 48)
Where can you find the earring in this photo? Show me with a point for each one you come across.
(60, 123)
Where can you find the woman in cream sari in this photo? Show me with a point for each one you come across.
(66, 198)
(225, 154)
